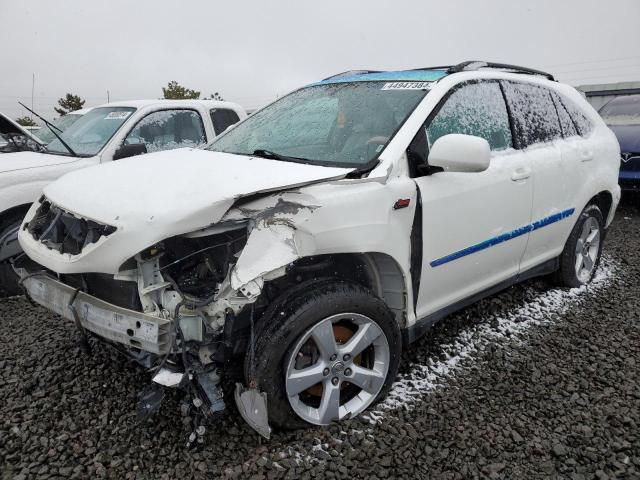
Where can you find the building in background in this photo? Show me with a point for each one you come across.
(599, 95)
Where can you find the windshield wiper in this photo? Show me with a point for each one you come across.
(276, 156)
(53, 129)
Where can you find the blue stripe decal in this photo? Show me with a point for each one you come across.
(504, 237)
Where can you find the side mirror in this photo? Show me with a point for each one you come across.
(126, 151)
(460, 153)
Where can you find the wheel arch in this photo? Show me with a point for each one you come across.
(376, 271)
(10, 212)
(604, 201)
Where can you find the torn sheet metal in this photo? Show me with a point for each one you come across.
(267, 249)
(252, 406)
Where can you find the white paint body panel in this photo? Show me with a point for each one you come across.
(465, 209)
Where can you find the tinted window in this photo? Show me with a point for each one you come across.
(534, 114)
(582, 123)
(222, 118)
(566, 123)
(475, 109)
(168, 129)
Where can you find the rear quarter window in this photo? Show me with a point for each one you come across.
(582, 123)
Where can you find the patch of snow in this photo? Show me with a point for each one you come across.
(545, 308)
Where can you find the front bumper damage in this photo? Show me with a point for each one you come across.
(142, 334)
(117, 324)
(182, 306)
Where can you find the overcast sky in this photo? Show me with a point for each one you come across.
(252, 51)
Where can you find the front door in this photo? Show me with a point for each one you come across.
(475, 225)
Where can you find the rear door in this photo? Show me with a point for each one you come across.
(472, 222)
(554, 162)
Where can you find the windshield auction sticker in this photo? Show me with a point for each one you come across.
(117, 115)
(406, 86)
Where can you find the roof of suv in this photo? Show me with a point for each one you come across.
(428, 74)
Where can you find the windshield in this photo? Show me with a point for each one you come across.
(342, 124)
(62, 123)
(622, 111)
(92, 131)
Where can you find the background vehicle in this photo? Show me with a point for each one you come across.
(622, 115)
(306, 245)
(108, 132)
(16, 138)
(65, 121)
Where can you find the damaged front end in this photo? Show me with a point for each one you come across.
(177, 307)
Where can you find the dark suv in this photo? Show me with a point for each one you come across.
(622, 115)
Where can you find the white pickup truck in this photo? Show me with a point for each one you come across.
(108, 132)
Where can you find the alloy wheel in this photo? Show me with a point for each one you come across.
(334, 376)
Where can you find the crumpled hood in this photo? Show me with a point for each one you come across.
(152, 197)
(175, 185)
(22, 160)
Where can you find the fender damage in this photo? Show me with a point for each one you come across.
(170, 303)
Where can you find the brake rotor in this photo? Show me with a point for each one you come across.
(342, 335)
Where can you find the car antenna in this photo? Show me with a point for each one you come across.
(53, 129)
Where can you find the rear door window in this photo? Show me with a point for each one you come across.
(533, 113)
(222, 118)
(474, 109)
(168, 129)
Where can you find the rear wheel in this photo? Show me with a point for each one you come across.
(581, 255)
(326, 354)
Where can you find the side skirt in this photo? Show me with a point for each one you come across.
(423, 325)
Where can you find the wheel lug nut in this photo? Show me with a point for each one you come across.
(335, 380)
(333, 357)
(347, 357)
(347, 372)
(325, 372)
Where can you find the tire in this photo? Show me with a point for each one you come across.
(8, 278)
(316, 305)
(590, 223)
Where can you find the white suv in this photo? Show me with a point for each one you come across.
(302, 249)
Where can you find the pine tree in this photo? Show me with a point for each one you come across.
(175, 91)
(216, 96)
(26, 122)
(69, 103)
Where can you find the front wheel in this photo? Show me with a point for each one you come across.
(581, 255)
(325, 355)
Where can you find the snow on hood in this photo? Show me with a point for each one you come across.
(22, 160)
(179, 190)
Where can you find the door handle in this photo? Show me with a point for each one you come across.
(521, 174)
(586, 155)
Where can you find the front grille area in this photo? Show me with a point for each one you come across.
(63, 232)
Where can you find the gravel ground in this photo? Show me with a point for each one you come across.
(532, 383)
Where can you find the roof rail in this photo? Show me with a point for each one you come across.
(349, 73)
(477, 65)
